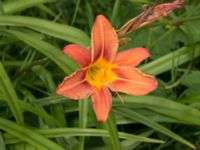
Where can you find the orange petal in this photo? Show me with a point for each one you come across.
(75, 86)
(78, 53)
(131, 57)
(104, 39)
(132, 81)
(101, 100)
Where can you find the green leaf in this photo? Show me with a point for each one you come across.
(140, 118)
(83, 110)
(45, 76)
(2, 143)
(190, 99)
(52, 52)
(18, 5)
(40, 113)
(130, 144)
(21, 146)
(76, 11)
(140, 1)
(172, 59)
(53, 99)
(90, 14)
(192, 90)
(111, 126)
(1, 7)
(192, 78)
(10, 95)
(47, 10)
(12, 63)
(28, 135)
(183, 113)
(57, 30)
(116, 10)
(7, 41)
(59, 132)
(192, 82)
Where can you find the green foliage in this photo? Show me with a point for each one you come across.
(32, 64)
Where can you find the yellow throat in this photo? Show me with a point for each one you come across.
(100, 72)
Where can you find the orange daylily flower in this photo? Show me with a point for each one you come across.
(102, 70)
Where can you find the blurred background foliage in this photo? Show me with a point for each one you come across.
(32, 116)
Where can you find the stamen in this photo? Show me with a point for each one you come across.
(120, 98)
(117, 94)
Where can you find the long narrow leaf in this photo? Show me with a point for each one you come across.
(28, 107)
(57, 30)
(10, 95)
(174, 59)
(181, 112)
(2, 143)
(83, 110)
(62, 60)
(130, 144)
(18, 5)
(140, 118)
(116, 10)
(111, 126)
(60, 132)
(28, 135)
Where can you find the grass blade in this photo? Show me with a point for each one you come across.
(47, 79)
(174, 59)
(83, 110)
(52, 52)
(111, 126)
(76, 11)
(90, 14)
(116, 10)
(140, 118)
(19, 5)
(40, 113)
(130, 144)
(27, 135)
(10, 95)
(57, 30)
(60, 132)
(2, 143)
(183, 113)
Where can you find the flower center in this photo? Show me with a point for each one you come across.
(100, 72)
